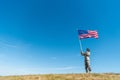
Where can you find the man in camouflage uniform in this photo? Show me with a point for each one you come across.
(87, 60)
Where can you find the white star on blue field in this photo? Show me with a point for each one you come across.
(40, 36)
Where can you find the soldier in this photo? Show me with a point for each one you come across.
(87, 60)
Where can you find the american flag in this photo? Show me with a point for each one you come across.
(87, 34)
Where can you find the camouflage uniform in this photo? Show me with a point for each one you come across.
(87, 60)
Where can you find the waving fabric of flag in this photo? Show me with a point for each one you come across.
(87, 34)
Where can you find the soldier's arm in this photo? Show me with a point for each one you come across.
(82, 53)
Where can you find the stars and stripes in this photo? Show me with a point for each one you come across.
(87, 34)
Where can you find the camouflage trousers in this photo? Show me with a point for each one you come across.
(87, 66)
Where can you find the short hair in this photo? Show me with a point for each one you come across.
(87, 49)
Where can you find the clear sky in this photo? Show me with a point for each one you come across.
(39, 36)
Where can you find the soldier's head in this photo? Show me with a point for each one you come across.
(87, 49)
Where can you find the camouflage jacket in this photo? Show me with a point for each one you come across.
(86, 55)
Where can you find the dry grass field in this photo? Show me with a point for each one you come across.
(108, 76)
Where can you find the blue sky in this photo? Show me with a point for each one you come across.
(40, 37)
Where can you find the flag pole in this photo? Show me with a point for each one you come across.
(80, 45)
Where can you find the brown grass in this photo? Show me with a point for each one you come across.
(109, 76)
